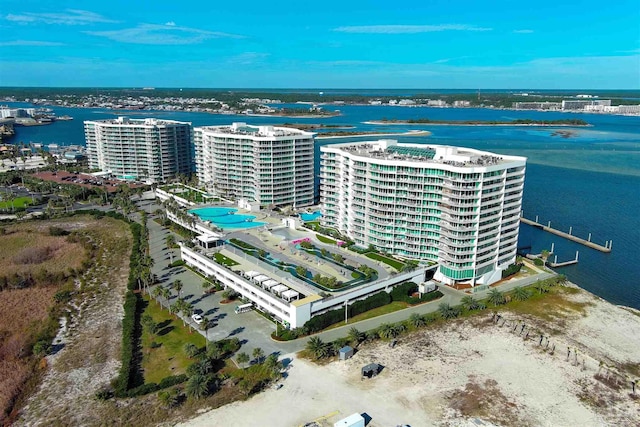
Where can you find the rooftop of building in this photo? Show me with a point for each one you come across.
(255, 131)
(442, 154)
(138, 122)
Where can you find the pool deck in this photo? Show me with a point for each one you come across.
(272, 243)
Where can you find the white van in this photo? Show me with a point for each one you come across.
(243, 308)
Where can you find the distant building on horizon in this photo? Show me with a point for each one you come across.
(264, 164)
(573, 104)
(150, 150)
(458, 207)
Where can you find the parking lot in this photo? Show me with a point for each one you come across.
(252, 329)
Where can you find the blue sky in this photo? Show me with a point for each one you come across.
(328, 44)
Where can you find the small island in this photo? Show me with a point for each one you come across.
(314, 126)
(518, 122)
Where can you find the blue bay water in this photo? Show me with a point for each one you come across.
(589, 181)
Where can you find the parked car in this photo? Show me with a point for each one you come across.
(197, 318)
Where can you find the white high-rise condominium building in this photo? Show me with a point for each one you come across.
(150, 150)
(264, 164)
(458, 207)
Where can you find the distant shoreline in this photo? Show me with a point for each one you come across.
(405, 123)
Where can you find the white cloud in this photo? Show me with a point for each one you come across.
(523, 31)
(30, 43)
(69, 17)
(407, 29)
(170, 24)
(167, 34)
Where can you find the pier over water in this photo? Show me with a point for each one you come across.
(569, 236)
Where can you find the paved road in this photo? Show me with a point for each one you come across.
(254, 330)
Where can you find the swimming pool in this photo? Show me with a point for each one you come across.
(226, 218)
(310, 216)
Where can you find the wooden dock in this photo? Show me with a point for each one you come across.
(568, 236)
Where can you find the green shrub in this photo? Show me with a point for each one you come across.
(177, 263)
(374, 301)
(318, 323)
(538, 262)
(511, 270)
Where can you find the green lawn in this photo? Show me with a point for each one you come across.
(169, 358)
(18, 203)
(326, 240)
(389, 261)
(224, 260)
(379, 311)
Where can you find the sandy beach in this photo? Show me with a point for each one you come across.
(408, 133)
(470, 371)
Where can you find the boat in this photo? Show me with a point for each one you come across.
(65, 117)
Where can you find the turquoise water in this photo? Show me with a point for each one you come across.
(310, 217)
(590, 181)
(226, 218)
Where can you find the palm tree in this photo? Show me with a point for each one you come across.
(258, 354)
(355, 336)
(273, 366)
(206, 285)
(448, 312)
(197, 386)
(541, 287)
(168, 398)
(496, 297)
(191, 350)
(416, 320)
(157, 291)
(177, 285)
(166, 293)
(521, 294)
(174, 308)
(317, 347)
(387, 331)
(242, 358)
(205, 325)
(187, 312)
(469, 303)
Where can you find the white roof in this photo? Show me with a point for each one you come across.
(355, 419)
(261, 278)
(290, 294)
(270, 283)
(207, 238)
(279, 289)
(251, 274)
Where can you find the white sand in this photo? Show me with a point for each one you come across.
(470, 369)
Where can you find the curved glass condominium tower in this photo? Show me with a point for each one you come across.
(458, 207)
(264, 164)
(150, 150)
